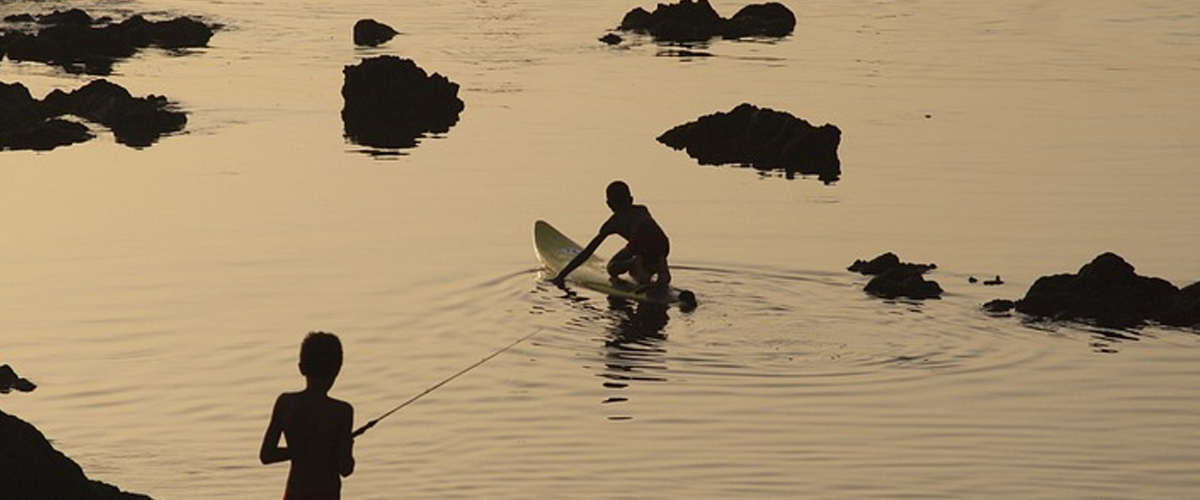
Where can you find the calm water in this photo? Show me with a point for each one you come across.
(159, 296)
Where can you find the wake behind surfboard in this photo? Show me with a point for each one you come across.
(555, 250)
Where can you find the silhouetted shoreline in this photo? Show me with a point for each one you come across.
(31, 468)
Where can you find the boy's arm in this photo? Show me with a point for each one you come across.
(346, 444)
(271, 452)
(579, 259)
(583, 255)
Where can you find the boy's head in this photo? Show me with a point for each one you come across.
(618, 195)
(321, 356)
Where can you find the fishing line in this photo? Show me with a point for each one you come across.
(372, 423)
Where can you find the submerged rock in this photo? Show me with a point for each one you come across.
(895, 279)
(76, 42)
(761, 138)
(389, 102)
(30, 468)
(369, 32)
(999, 306)
(1109, 293)
(27, 123)
(697, 21)
(612, 39)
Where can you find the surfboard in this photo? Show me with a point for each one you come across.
(555, 250)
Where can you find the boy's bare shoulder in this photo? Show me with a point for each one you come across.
(342, 405)
(287, 398)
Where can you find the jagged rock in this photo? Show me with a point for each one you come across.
(697, 21)
(612, 39)
(764, 19)
(894, 279)
(76, 17)
(389, 102)
(135, 121)
(30, 468)
(885, 262)
(761, 138)
(27, 123)
(1109, 293)
(76, 42)
(370, 32)
(903, 282)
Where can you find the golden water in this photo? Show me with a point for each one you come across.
(158, 296)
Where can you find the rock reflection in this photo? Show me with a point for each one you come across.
(633, 351)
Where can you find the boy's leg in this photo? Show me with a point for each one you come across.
(638, 270)
(621, 263)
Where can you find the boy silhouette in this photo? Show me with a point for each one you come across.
(316, 426)
(644, 257)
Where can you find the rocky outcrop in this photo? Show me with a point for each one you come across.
(135, 121)
(27, 123)
(78, 43)
(761, 138)
(390, 102)
(697, 21)
(369, 32)
(895, 279)
(1108, 293)
(30, 468)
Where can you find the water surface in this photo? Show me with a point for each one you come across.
(158, 296)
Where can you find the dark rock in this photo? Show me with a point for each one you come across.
(370, 32)
(686, 21)
(30, 468)
(26, 123)
(894, 278)
(903, 281)
(886, 262)
(877, 265)
(764, 19)
(1109, 293)
(135, 121)
(999, 306)
(77, 43)
(389, 102)
(19, 18)
(696, 21)
(612, 39)
(179, 33)
(74, 17)
(994, 282)
(761, 138)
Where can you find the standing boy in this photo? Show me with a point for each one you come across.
(644, 257)
(316, 426)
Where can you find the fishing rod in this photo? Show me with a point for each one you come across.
(372, 423)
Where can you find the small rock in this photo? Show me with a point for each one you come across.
(369, 32)
(612, 39)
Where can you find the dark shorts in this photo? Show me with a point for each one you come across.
(651, 243)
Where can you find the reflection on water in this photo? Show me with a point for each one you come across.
(635, 350)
